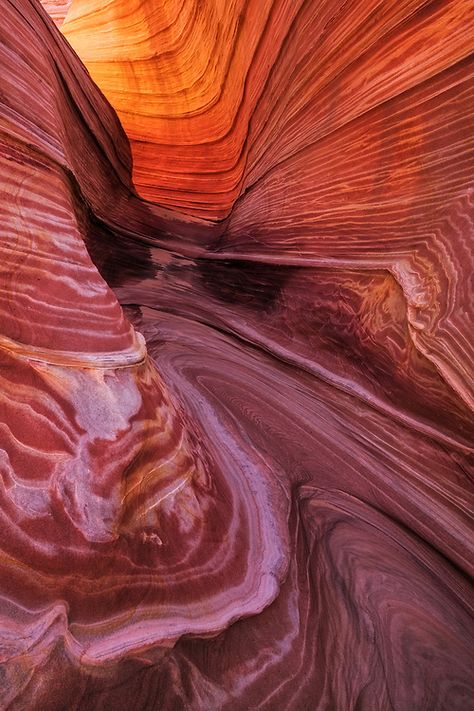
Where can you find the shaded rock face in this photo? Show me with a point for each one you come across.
(236, 378)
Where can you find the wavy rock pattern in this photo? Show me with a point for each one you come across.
(236, 455)
(221, 99)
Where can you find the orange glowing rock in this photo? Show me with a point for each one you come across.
(185, 79)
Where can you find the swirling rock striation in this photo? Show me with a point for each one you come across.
(236, 387)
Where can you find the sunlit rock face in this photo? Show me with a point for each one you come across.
(236, 416)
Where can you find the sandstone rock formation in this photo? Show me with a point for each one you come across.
(57, 9)
(236, 387)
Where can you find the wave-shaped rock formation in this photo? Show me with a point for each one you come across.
(236, 378)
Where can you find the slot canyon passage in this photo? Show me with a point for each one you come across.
(236, 383)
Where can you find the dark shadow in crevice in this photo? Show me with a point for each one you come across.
(255, 285)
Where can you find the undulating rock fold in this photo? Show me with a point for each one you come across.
(236, 382)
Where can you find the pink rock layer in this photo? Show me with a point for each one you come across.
(57, 9)
(236, 457)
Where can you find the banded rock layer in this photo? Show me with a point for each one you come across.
(57, 9)
(236, 386)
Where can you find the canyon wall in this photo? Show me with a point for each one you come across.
(236, 398)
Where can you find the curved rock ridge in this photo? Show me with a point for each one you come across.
(236, 422)
(109, 503)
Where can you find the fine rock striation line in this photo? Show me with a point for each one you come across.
(236, 388)
(57, 9)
